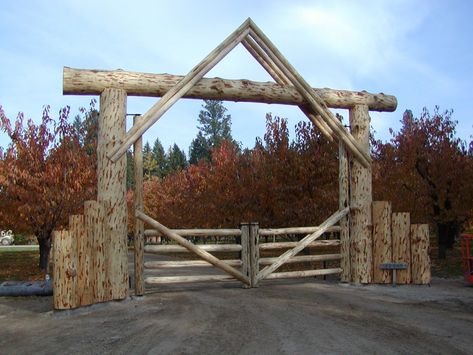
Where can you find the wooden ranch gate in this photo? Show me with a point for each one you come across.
(102, 253)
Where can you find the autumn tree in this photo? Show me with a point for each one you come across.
(426, 169)
(47, 173)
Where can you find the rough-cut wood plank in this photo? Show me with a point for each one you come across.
(420, 246)
(111, 188)
(186, 263)
(159, 280)
(84, 245)
(305, 273)
(193, 248)
(302, 258)
(198, 232)
(343, 202)
(288, 245)
(382, 241)
(294, 230)
(254, 253)
(401, 223)
(160, 249)
(245, 251)
(302, 244)
(138, 238)
(361, 250)
(315, 103)
(180, 89)
(93, 220)
(65, 271)
(93, 82)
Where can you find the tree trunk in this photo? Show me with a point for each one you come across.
(44, 248)
(447, 232)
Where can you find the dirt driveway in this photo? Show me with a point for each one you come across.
(280, 317)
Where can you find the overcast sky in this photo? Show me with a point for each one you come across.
(419, 51)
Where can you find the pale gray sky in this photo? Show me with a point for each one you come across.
(419, 51)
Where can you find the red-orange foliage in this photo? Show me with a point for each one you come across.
(427, 171)
(277, 184)
(45, 175)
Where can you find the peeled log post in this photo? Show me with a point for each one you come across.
(93, 82)
(361, 248)
(111, 188)
(382, 241)
(65, 270)
(139, 225)
(343, 202)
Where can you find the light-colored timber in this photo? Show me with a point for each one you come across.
(111, 189)
(343, 202)
(315, 103)
(288, 245)
(401, 224)
(180, 89)
(305, 273)
(294, 230)
(193, 248)
(302, 258)
(93, 82)
(65, 270)
(361, 249)
(245, 251)
(382, 241)
(138, 237)
(420, 246)
(160, 280)
(161, 249)
(93, 218)
(198, 232)
(302, 244)
(84, 246)
(186, 263)
(254, 253)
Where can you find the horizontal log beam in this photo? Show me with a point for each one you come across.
(295, 230)
(197, 232)
(306, 273)
(301, 259)
(185, 263)
(159, 249)
(287, 245)
(159, 280)
(93, 82)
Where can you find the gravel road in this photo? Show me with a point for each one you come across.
(307, 316)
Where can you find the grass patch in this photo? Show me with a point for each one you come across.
(20, 266)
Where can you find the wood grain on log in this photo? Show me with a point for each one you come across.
(401, 224)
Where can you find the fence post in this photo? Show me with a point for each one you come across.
(343, 199)
(138, 237)
(65, 270)
(401, 224)
(111, 189)
(245, 251)
(254, 253)
(420, 245)
(382, 240)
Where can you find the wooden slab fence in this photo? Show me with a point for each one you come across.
(421, 267)
(400, 232)
(382, 242)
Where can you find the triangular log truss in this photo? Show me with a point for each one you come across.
(264, 51)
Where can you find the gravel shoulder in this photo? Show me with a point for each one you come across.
(280, 317)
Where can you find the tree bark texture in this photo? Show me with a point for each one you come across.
(111, 189)
(382, 241)
(361, 248)
(93, 82)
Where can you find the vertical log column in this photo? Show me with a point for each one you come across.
(360, 201)
(139, 225)
(345, 276)
(111, 189)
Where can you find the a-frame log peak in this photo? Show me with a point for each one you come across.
(264, 51)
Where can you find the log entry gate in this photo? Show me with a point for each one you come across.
(355, 193)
